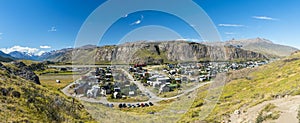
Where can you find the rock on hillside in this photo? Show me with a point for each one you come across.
(21, 70)
(155, 53)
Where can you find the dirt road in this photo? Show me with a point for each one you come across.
(288, 106)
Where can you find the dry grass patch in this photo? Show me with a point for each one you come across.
(49, 80)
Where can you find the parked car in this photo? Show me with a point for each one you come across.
(151, 104)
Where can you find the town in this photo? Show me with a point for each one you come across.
(139, 83)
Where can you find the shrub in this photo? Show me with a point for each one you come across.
(16, 94)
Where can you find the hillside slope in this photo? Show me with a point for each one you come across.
(260, 45)
(5, 57)
(154, 53)
(24, 101)
(249, 87)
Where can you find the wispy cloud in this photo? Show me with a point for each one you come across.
(20, 49)
(125, 16)
(53, 29)
(1, 35)
(231, 25)
(138, 21)
(230, 33)
(192, 25)
(45, 47)
(263, 18)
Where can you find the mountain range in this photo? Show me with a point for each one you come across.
(23, 55)
(259, 45)
(162, 52)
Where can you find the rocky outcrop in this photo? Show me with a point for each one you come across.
(21, 70)
(25, 72)
(157, 53)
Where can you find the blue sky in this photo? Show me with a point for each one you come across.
(43, 25)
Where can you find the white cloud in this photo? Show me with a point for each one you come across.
(45, 47)
(231, 25)
(138, 21)
(263, 18)
(20, 49)
(230, 33)
(188, 39)
(53, 29)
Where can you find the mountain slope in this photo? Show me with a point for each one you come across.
(249, 87)
(261, 45)
(5, 57)
(53, 54)
(25, 101)
(153, 53)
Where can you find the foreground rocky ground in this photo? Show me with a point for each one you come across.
(287, 106)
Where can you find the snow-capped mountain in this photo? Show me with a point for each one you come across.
(24, 55)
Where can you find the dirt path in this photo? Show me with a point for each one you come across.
(288, 106)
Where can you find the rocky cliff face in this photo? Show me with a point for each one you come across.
(157, 53)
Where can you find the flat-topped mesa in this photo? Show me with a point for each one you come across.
(156, 53)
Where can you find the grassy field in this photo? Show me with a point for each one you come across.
(170, 94)
(49, 80)
(249, 87)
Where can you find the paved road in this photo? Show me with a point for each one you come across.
(153, 97)
(83, 66)
(140, 85)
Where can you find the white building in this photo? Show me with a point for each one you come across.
(160, 81)
(93, 92)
